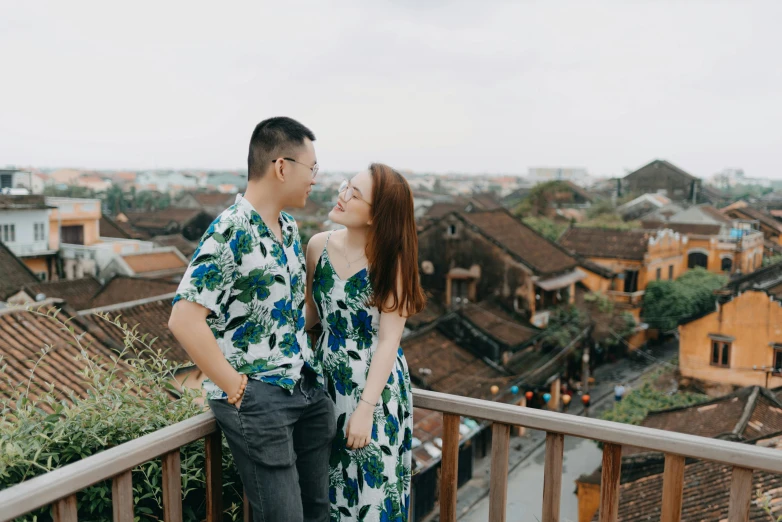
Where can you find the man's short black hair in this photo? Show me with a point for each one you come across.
(272, 139)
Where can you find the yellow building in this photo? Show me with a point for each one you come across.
(74, 221)
(741, 342)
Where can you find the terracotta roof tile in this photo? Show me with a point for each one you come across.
(15, 273)
(538, 253)
(110, 228)
(150, 318)
(122, 289)
(154, 261)
(497, 323)
(604, 242)
(77, 293)
(23, 335)
(177, 241)
(759, 215)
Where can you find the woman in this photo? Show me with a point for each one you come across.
(362, 283)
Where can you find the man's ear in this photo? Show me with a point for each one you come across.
(278, 171)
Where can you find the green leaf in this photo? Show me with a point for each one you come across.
(344, 511)
(354, 355)
(342, 304)
(362, 513)
(236, 322)
(386, 395)
(202, 259)
(279, 279)
(272, 340)
(263, 249)
(386, 450)
(217, 236)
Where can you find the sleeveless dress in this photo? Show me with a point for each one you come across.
(371, 484)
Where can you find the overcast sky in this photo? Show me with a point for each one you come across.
(476, 87)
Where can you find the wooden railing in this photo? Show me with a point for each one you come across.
(58, 488)
(631, 298)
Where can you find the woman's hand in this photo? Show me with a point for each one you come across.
(359, 429)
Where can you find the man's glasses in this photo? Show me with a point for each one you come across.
(350, 193)
(313, 169)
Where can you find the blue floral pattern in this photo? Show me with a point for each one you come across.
(253, 285)
(372, 483)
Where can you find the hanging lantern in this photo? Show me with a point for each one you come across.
(566, 399)
(495, 389)
(585, 399)
(546, 397)
(529, 395)
(514, 390)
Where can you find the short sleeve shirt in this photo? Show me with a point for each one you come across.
(253, 286)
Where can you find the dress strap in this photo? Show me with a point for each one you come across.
(326, 245)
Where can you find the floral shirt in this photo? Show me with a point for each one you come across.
(253, 286)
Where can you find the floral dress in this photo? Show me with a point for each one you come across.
(371, 483)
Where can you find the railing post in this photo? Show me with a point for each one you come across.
(552, 476)
(213, 450)
(247, 510)
(449, 468)
(673, 487)
(498, 484)
(740, 495)
(122, 497)
(64, 510)
(609, 483)
(172, 487)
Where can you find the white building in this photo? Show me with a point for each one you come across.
(170, 182)
(24, 228)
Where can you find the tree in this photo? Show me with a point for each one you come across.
(544, 226)
(666, 303)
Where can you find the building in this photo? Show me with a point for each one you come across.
(766, 223)
(15, 274)
(25, 228)
(544, 174)
(163, 263)
(475, 256)
(627, 260)
(78, 293)
(740, 342)
(210, 202)
(11, 179)
(170, 182)
(177, 241)
(190, 222)
(642, 205)
(123, 289)
(715, 241)
(660, 176)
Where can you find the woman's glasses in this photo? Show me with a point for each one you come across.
(350, 192)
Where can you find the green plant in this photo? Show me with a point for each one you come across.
(637, 404)
(666, 303)
(547, 228)
(128, 396)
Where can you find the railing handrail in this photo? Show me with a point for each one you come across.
(46, 489)
(704, 448)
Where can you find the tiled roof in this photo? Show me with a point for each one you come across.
(759, 215)
(497, 323)
(485, 201)
(579, 190)
(520, 241)
(24, 202)
(762, 279)
(161, 218)
(15, 273)
(685, 228)
(596, 268)
(666, 164)
(453, 369)
(177, 241)
(713, 213)
(438, 210)
(110, 228)
(24, 333)
(122, 289)
(214, 198)
(147, 262)
(746, 414)
(150, 318)
(706, 495)
(77, 293)
(431, 312)
(605, 242)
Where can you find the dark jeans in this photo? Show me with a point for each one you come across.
(281, 445)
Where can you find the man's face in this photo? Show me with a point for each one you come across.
(298, 175)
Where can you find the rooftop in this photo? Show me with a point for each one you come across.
(15, 273)
(23, 202)
(178, 241)
(158, 261)
(524, 244)
(122, 289)
(607, 243)
(77, 293)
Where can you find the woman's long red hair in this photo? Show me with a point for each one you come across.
(392, 246)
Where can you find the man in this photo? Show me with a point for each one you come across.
(619, 391)
(238, 313)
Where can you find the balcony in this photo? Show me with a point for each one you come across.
(31, 249)
(630, 298)
(58, 488)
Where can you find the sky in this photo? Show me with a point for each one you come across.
(474, 87)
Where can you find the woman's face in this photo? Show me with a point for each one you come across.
(354, 203)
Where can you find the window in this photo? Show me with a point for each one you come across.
(720, 354)
(41, 275)
(659, 273)
(727, 264)
(631, 280)
(39, 231)
(72, 235)
(9, 233)
(670, 272)
(777, 359)
(451, 230)
(697, 259)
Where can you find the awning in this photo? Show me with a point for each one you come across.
(555, 283)
(721, 337)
